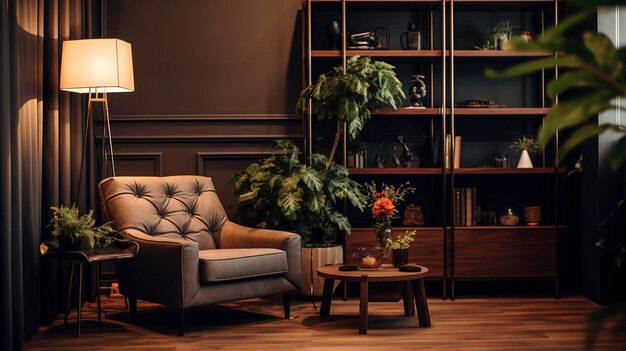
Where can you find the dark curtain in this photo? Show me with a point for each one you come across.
(40, 148)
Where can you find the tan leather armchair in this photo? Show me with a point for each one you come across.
(190, 254)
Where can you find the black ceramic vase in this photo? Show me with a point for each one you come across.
(333, 34)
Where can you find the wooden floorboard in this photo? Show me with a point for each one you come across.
(257, 324)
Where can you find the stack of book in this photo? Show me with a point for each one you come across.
(465, 207)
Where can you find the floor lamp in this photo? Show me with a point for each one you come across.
(97, 67)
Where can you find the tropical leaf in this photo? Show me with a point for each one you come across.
(571, 80)
(581, 135)
(311, 178)
(618, 153)
(604, 53)
(571, 113)
(567, 61)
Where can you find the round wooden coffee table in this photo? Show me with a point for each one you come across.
(413, 294)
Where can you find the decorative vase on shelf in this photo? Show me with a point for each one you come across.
(333, 34)
(524, 160)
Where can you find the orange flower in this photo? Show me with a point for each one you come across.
(378, 196)
(383, 206)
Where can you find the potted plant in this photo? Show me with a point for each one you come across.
(71, 229)
(594, 81)
(400, 248)
(498, 37)
(525, 145)
(351, 96)
(312, 189)
(283, 193)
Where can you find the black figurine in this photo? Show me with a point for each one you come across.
(417, 91)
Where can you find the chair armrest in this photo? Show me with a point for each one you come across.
(165, 270)
(234, 236)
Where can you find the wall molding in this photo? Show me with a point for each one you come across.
(205, 117)
(128, 139)
(229, 155)
(157, 157)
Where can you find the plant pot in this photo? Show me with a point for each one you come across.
(67, 244)
(400, 257)
(313, 257)
(524, 160)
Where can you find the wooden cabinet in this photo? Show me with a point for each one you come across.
(453, 66)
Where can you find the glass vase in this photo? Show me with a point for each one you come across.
(383, 237)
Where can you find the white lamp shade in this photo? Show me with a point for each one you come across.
(105, 64)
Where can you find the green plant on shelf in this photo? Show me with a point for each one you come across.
(497, 36)
(403, 241)
(525, 143)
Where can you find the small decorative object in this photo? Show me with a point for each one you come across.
(417, 91)
(413, 38)
(486, 102)
(383, 204)
(357, 155)
(370, 40)
(413, 216)
(378, 162)
(501, 161)
(362, 156)
(498, 37)
(70, 228)
(532, 215)
(525, 145)
(400, 248)
(509, 217)
(526, 37)
(405, 159)
(333, 34)
(371, 259)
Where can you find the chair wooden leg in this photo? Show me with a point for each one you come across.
(287, 305)
(181, 322)
(132, 302)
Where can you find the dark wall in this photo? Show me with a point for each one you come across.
(216, 82)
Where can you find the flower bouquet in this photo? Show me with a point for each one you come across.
(383, 204)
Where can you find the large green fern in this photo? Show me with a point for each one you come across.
(286, 194)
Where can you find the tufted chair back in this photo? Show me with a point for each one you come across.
(169, 207)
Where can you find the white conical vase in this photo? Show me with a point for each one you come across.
(524, 160)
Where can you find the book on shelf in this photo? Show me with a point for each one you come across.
(457, 152)
(465, 208)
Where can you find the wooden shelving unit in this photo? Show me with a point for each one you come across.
(451, 252)
(396, 171)
(379, 53)
(522, 171)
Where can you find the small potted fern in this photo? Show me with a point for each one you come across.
(71, 229)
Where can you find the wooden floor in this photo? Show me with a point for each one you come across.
(464, 324)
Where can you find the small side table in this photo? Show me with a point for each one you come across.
(50, 249)
(414, 293)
